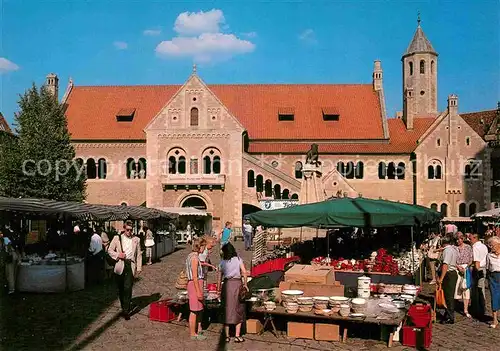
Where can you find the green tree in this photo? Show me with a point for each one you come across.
(40, 163)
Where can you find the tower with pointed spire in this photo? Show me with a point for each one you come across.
(419, 77)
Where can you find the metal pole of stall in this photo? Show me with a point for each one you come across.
(412, 253)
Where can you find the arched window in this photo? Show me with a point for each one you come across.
(434, 207)
(462, 210)
(268, 188)
(194, 116)
(391, 170)
(359, 170)
(400, 171)
(444, 210)
(298, 170)
(410, 64)
(286, 194)
(101, 168)
(295, 196)
(350, 170)
(434, 170)
(432, 66)
(277, 191)
(259, 183)
(172, 165)
(382, 170)
(176, 161)
(341, 168)
(141, 168)
(131, 169)
(216, 165)
(472, 169)
(472, 208)
(250, 178)
(211, 161)
(182, 165)
(193, 165)
(430, 172)
(91, 169)
(207, 165)
(422, 67)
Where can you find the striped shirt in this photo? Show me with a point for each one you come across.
(189, 266)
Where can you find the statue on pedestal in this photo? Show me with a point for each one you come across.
(312, 156)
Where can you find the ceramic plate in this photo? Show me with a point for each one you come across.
(339, 298)
(291, 292)
(356, 315)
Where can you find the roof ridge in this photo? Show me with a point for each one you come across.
(223, 84)
(482, 111)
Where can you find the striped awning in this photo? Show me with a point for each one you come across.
(43, 207)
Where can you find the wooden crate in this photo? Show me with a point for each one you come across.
(310, 274)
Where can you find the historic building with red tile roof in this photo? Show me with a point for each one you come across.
(224, 148)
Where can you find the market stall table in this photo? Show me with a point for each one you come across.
(392, 320)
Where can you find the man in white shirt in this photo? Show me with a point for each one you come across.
(480, 251)
(449, 276)
(95, 259)
(247, 235)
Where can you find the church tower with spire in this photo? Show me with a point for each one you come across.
(419, 78)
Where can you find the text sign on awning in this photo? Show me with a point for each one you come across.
(277, 204)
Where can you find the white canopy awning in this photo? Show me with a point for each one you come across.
(455, 219)
(185, 211)
(494, 213)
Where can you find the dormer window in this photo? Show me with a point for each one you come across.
(125, 115)
(330, 114)
(286, 114)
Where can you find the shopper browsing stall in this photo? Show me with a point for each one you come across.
(194, 272)
(448, 277)
(493, 268)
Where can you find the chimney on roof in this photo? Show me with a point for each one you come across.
(453, 104)
(52, 85)
(409, 108)
(377, 75)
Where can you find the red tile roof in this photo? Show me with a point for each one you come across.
(480, 121)
(402, 142)
(4, 126)
(91, 110)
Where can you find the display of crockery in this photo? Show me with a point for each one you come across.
(407, 297)
(357, 315)
(270, 305)
(399, 303)
(292, 307)
(387, 307)
(305, 300)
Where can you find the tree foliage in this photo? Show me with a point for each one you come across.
(39, 162)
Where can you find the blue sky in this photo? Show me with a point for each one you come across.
(150, 42)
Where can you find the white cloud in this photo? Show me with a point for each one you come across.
(206, 47)
(7, 66)
(250, 34)
(308, 36)
(200, 36)
(120, 45)
(152, 32)
(195, 23)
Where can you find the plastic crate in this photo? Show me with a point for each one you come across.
(161, 311)
(419, 315)
(417, 337)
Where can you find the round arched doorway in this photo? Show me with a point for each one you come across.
(196, 202)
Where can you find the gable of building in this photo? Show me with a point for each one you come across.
(482, 121)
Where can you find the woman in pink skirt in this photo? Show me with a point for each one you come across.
(194, 272)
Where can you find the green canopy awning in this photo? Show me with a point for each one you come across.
(347, 212)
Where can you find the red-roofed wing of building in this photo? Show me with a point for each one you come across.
(92, 111)
(4, 126)
(481, 121)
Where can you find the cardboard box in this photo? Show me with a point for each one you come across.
(310, 274)
(254, 326)
(326, 332)
(300, 330)
(314, 289)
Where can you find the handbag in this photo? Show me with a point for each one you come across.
(468, 278)
(244, 294)
(440, 300)
(182, 280)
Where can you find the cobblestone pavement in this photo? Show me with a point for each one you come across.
(88, 320)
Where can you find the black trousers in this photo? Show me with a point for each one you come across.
(125, 282)
(449, 285)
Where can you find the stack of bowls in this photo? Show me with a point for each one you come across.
(336, 301)
(270, 305)
(359, 305)
(292, 307)
(321, 302)
(305, 304)
(345, 310)
(288, 296)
